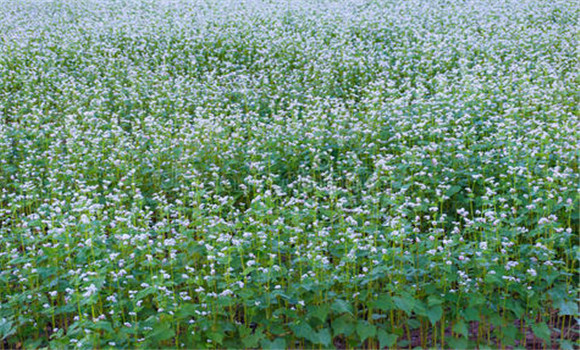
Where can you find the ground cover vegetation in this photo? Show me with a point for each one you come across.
(289, 174)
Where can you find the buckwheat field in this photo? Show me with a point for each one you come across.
(289, 174)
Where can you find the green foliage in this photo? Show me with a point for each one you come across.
(365, 330)
(225, 174)
(386, 339)
(275, 344)
(542, 331)
(6, 328)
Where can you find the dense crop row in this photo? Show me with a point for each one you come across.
(227, 174)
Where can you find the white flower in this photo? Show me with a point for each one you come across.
(84, 219)
(90, 290)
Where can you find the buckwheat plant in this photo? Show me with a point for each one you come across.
(289, 174)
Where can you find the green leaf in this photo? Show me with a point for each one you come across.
(403, 344)
(379, 316)
(413, 323)
(342, 325)
(161, 331)
(341, 307)
(434, 314)
(33, 343)
(145, 292)
(217, 337)
(566, 345)
(244, 331)
(276, 344)
(103, 326)
(384, 302)
(453, 190)
(510, 333)
(567, 308)
(323, 337)
(252, 340)
(433, 300)
(186, 311)
(460, 327)
(302, 330)
(457, 343)
(365, 330)
(6, 329)
(542, 331)
(320, 312)
(405, 303)
(515, 306)
(471, 314)
(420, 308)
(386, 339)
(496, 320)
